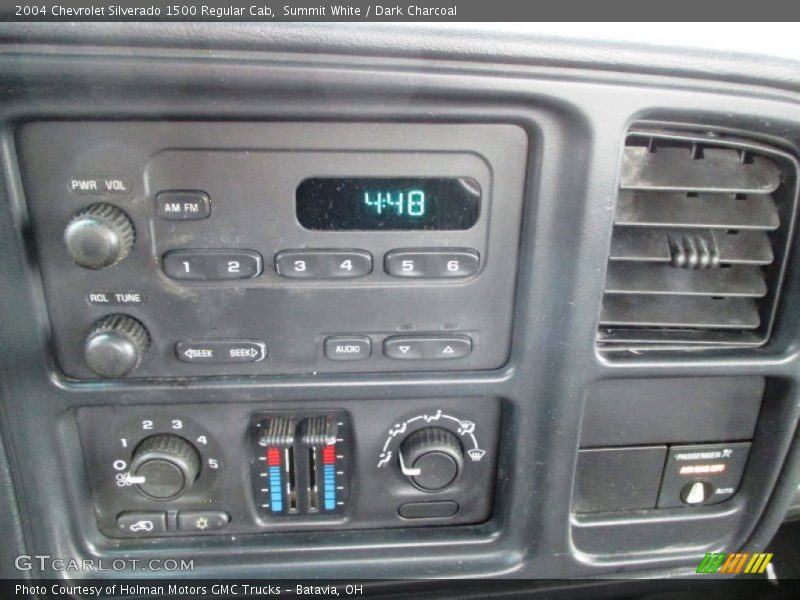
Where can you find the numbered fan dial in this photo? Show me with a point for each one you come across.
(165, 466)
(164, 459)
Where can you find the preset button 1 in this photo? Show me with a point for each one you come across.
(220, 351)
(211, 265)
(323, 264)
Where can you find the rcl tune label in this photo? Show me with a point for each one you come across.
(116, 298)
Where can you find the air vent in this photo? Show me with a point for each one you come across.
(700, 237)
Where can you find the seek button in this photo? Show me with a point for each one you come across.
(220, 351)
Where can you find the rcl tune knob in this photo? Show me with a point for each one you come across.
(115, 346)
(432, 458)
(99, 236)
(164, 466)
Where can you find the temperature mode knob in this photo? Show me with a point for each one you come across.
(115, 346)
(432, 458)
(164, 466)
(99, 236)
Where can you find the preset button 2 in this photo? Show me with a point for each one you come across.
(211, 265)
(220, 351)
(323, 264)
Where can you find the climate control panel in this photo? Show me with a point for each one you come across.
(191, 249)
(171, 470)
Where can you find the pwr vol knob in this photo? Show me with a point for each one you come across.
(99, 236)
(115, 346)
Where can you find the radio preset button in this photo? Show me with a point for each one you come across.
(348, 347)
(409, 347)
(435, 263)
(212, 265)
(183, 205)
(220, 351)
(323, 264)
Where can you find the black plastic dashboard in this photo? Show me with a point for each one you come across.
(540, 123)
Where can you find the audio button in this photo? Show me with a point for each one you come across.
(342, 347)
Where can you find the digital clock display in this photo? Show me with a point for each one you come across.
(390, 203)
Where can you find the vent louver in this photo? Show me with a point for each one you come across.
(700, 236)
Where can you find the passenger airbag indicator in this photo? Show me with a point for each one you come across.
(702, 474)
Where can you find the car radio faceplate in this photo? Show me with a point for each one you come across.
(179, 249)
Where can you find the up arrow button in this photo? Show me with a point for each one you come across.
(456, 347)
